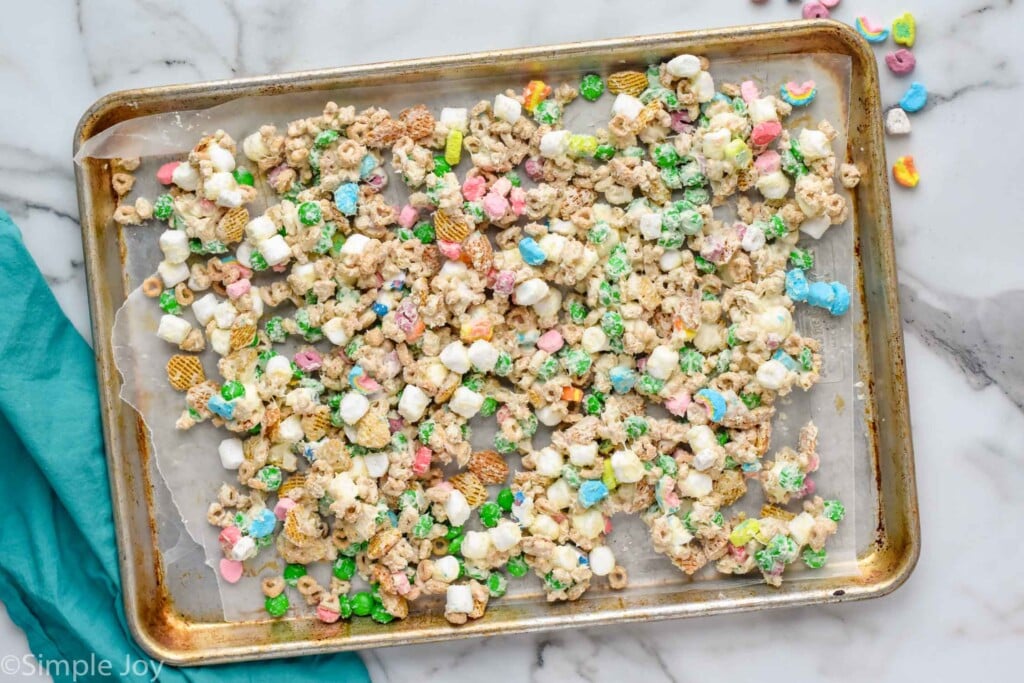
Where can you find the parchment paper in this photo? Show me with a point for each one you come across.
(188, 462)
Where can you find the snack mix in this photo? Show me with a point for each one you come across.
(537, 277)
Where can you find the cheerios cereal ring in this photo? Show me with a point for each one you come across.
(153, 286)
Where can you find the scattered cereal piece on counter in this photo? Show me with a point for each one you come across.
(915, 98)
(904, 29)
(901, 62)
(905, 172)
(897, 122)
(870, 32)
(814, 10)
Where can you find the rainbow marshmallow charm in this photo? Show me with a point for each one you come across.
(361, 382)
(534, 94)
(799, 94)
(872, 34)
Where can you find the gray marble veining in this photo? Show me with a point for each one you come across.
(961, 288)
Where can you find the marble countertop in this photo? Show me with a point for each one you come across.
(961, 288)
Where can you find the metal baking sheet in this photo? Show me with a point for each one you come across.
(183, 630)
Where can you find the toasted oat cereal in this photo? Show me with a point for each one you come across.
(536, 276)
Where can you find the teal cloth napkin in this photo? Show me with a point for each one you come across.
(58, 559)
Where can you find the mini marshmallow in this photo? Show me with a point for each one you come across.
(185, 177)
(627, 105)
(204, 307)
(683, 66)
(220, 158)
(174, 245)
(545, 527)
(224, 314)
(670, 260)
(555, 143)
(650, 225)
(352, 408)
(553, 245)
(589, 524)
(259, 229)
(173, 329)
(507, 109)
(753, 239)
(800, 528)
(505, 535)
(231, 453)
(483, 355)
(774, 185)
(814, 144)
(531, 291)
(560, 494)
(762, 110)
(705, 458)
(244, 549)
(222, 189)
(455, 357)
(455, 118)
(695, 485)
(714, 143)
(465, 402)
(552, 414)
(704, 87)
(355, 245)
(772, 374)
(550, 304)
(377, 464)
(456, 508)
(566, 557)
(172, 273)
(254, 148)
(583, 455)
(220, 341)
(476, 545)
(446, 568)
(548, 462)
(458, 599)
(275, 250)
(627, 467)
(343, 488)
(594, 340)
(334, 330)
(289, 430)
(816, 226)
(602, 560)
(279, 368)
(662, 362)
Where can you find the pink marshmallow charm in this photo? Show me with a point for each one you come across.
(238, 288)
(229, 536)
(814, 10)
(680, 122)
(551, 341)
(474, 188)
(534, 169)
(451, 250)
(765, 132)
(283, 506)
(328, 615)
(231, 570)
(518, 200)
(401, 583)
(308, 360)
(495, 205)
(678, 404)
(749, 91)
(768, 162)
(502, 186)
(504, 282)
(407, 217)
(166, 172)
(421, 461)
